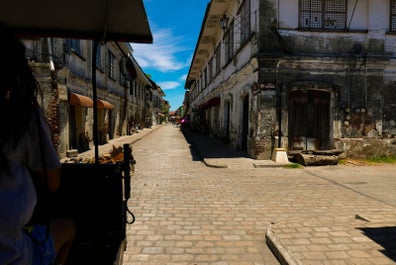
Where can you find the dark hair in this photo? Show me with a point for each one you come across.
(17, 91)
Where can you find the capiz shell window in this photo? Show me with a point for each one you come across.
(393, 16)
(326, 15)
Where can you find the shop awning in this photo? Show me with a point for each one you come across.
(215, 101)
(80, 100)
(102, 104)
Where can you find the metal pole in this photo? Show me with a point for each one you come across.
(127, 171)
(95, 106)
(279, 107)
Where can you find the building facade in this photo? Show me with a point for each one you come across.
(64, 69)
(301, 75)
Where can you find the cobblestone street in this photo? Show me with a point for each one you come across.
(188, 213)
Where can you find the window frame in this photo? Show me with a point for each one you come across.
(392, 16)
(228, 40)
(210, 70)
(99, 57)
(218, 59)
(74, 45)
(246, 29)
(205, 77)
(111, 65)
(123, 82)
(320, 15)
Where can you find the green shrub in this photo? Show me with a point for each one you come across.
(293, 165)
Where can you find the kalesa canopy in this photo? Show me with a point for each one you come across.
(101, 20)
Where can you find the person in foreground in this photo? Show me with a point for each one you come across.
(26, 149)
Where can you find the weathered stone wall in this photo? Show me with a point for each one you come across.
(361, 104)
(48, 97)
(353, 66)
(366, 147)
(389, 101)
(267, 127)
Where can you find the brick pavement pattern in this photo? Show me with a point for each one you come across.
(189, 213)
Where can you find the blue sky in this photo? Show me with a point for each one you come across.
(175, 26)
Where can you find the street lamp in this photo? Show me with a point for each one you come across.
(224, 22)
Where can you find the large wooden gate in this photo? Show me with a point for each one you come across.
(309, 120)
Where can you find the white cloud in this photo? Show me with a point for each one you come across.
(167, 85)
(162, 54)
(183, 78)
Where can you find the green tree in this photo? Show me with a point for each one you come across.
(164, 111)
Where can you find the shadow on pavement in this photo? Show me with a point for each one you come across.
(209, 147)
(384, 236)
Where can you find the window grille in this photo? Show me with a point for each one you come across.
(218, 59)
(210, 70)
(323, 14)
(393, 16)
(74, 45)
(132, 88)
(245, 21)
(229, 43)
(123, 81)
(205, 77)
(99, 57)
(110, 65)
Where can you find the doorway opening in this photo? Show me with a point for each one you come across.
(309, 120)
(245, 122)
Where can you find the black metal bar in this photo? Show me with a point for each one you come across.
(127, 171)
(95, 106)
(279, 99)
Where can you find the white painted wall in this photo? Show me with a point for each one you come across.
(367, 15)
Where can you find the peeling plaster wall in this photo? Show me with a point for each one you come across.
(234, 89)
(389, 100)
(267, 128)
(49, 100)
(362, 102)
(73, 74)
(355, 67)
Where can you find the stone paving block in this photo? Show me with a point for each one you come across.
(311, 215)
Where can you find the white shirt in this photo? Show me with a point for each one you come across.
(17, 193)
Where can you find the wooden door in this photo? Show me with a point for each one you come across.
(309, 120)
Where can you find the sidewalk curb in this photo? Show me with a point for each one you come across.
(268, 164)
(140, 137)
(212, 165)
(116, 142)
(281, 253)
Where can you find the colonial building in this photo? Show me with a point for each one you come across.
(64, 71)
(158, 115)
(301, 75)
